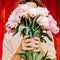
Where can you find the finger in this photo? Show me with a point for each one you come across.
(25, 37)
(37, 42)
(23, 45)
(23, 41)
(37, 46)
(25, 48)
(36, 38)
(37, 50)
(29, 48)
(29, 44)
(26, 41)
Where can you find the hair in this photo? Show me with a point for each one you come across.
(38, 2)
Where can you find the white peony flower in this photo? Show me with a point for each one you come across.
(33, 12)
(42, 11)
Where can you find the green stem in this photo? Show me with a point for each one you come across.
(36, 28)
(29, 55)
(27, 30)
(31, 34)
(30, 21)
(34, 22)
(34, 55)
(26, 22)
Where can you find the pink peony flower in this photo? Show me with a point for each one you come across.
(48, 23)
(22, 10)
(53, 25)
(43, 21)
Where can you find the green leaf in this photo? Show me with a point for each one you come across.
(36, 28)
(15, 31)
(23, 56)
(34, 55)
(26, 22)
(27, 30)
(21, 53)
(30, 33)
(39, 57)
(29, 55)
(36, 33)
(21, 27)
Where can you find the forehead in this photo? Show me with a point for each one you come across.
(32, 4)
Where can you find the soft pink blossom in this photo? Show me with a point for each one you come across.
(49, 23)
(53, 25)
(22, 10)
(42, 11)
(33, 12)
(43, 21)
(14, 17)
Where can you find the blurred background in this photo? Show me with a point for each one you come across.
(7, 6)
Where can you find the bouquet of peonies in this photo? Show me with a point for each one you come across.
(35, 22)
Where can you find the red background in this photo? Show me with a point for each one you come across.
(7, 6)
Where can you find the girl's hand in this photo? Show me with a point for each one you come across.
(26, 43)
(37, 44)
(33, 44)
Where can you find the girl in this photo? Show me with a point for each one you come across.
(13, 45)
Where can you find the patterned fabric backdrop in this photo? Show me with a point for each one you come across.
(7, 6)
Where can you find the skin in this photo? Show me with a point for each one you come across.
(35, 43)
(31, 4)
